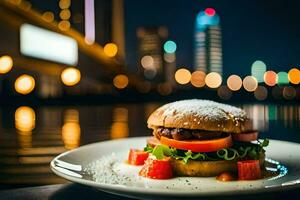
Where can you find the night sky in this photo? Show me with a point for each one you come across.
(252, 29)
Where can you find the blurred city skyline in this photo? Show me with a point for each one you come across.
(235, 49)
(251, 30)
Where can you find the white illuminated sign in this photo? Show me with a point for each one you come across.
(41, 43)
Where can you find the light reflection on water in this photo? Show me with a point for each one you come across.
(31, 137)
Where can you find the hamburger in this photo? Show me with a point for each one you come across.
(203, 138)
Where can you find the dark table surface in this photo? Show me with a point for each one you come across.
(76, 191)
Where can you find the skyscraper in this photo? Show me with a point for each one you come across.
(208, 42)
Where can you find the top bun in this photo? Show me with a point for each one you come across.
(201, 115)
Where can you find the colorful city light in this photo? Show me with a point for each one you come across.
(270, 78)
(234, 82)
(258, 70)
(65, 14)
(24, 120)
(71, 130)
(24, 84)
(120, 81)
(89, 19)
(213, 80)
(294, 76)
(6, 63)
(250, 83)
(198, 79)
(147, 62)
(169, 57)
(282, 78)
(64, 25)
(48, 16)
(224, 92)
(70, 76)
(261, 93)
(170, 46)
(289, 92)
(110, 49)
(210, 12)
(183, 76)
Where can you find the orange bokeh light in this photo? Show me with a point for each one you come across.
(213, 80)
(234, 82)
(183, 76)
(270, 78)
(250, 83)
(198, 78)
(294, 76)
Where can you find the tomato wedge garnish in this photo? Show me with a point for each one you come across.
(245, 137)
(157, 169)
(198, 145)
(137, 157)
(249, 170)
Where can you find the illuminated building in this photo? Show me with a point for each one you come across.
(170, 48)
(208, 42)
(150, 44)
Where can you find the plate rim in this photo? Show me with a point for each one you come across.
(153, 191)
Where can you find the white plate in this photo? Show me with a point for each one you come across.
(114, 176)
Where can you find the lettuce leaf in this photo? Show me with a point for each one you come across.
(239, 151)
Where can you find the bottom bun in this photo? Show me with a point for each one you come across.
(206, 168)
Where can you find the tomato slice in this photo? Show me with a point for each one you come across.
(245, 137)
(199, 145)
(249, 170)
(157, 169)
(137, 157)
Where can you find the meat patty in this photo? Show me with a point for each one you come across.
(185, 134)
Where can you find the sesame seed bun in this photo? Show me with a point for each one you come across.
(197, 114)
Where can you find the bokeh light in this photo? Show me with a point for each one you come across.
(70, 76)
(71, 130)
(224, 92)
(6, 63)
(65, 14)
(261, 93)
(210, 12)
(24, 120)
(144, 87)
(147, 62)
(24, 84)
(111, 49)
(183, 76)
(169, 57)
(64, 25)
(164, 89)
(294, 76)
(289, 92)
(150, 73)
(48, 16)
(250, 83)
(213, 80)
(170, 46)
(270, 78)
(234, 82)
(282, 78)
(120, 128)
(198, 79)
(258, 70)
(64, 4)
(121, 81)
